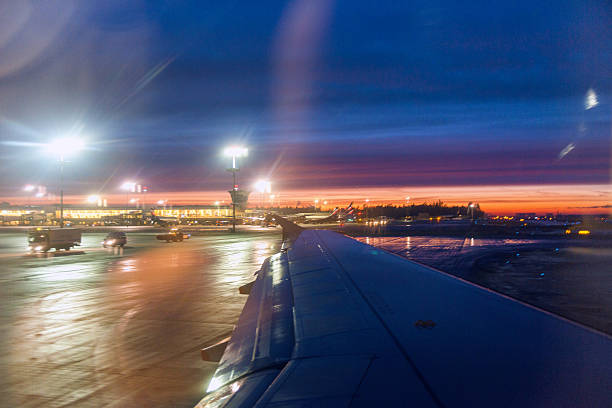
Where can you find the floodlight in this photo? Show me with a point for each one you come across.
(65, 147)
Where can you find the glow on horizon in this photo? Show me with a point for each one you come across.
(573, 199)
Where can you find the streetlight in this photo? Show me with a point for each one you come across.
(316, 202)
(63, 148)
(128, 186)
(28, 188)
(162, 202)
(40, 190)
(217, 205)
(472, 205)
(234, 152)
(263, 186)
(94, 198)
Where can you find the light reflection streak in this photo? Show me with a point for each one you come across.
(219, 395)
(566, 150)
(65, 272)
(590, 100)
(127, 265)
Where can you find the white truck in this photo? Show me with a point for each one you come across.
(43, 239)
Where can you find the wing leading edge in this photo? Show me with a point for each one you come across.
(334, 322)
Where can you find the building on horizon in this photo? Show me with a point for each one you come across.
(92, 215)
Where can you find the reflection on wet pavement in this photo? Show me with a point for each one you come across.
(450, 254)
(105, 329)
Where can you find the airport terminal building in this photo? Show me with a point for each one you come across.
(89, 215)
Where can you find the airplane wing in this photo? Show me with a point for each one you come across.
(332, 322)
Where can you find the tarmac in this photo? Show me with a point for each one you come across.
(110, 328)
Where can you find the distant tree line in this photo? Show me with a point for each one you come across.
(435, 209)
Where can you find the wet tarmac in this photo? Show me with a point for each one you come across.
(111, 328)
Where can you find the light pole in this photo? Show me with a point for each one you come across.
(263, 186)
(63, 148)
(42, 191)
(145, 189)
(234, 152)
(472, 205)
(28, 189)
(127, 187)
(95, 199)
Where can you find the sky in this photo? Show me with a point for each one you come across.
(504, 103)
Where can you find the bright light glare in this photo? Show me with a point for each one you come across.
(566, 150)
(28, 188)
(263, 186)
(65, 147)
(216, 203)
(236, 151)
(128, 186)
(591, 100)
(215, 383)
(93, 198)
(161, 202)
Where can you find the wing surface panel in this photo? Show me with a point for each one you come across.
(483, 348)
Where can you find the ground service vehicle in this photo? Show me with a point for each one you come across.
(174, 235)
(115, 238)
(43, 239)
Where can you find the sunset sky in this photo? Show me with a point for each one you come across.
(503, 103)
